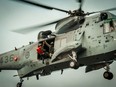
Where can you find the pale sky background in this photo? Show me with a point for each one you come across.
(15, 15)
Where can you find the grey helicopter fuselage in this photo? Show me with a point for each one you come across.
(93, 39)
(94, 35)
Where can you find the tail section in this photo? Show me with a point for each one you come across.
(9, 60)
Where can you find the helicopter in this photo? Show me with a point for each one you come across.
(79, 40)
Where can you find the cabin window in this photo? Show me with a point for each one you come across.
(115, 24)
(63, 42)
(109, 26)
(57, 44)
(106, 28)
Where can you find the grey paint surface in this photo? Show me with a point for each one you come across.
(15, 15)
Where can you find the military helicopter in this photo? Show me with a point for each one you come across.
(81, 39)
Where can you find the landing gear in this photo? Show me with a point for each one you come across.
(74, 63)
(19, 84)
(108, 75)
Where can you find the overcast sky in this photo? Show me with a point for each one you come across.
(15, 15)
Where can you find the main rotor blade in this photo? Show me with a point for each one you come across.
(41, 5)
(36, 27)
(111, 9)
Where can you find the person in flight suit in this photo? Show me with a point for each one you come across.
(42, 53)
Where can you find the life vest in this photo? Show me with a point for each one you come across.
(40, 51)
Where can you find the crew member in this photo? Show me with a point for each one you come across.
(50, 48)
(41, 52)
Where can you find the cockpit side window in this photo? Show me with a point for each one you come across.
(106, 27)
(114, 24)
(109, 26)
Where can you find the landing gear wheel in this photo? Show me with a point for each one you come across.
(108, 75)
(74, 65)
(19, 84)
